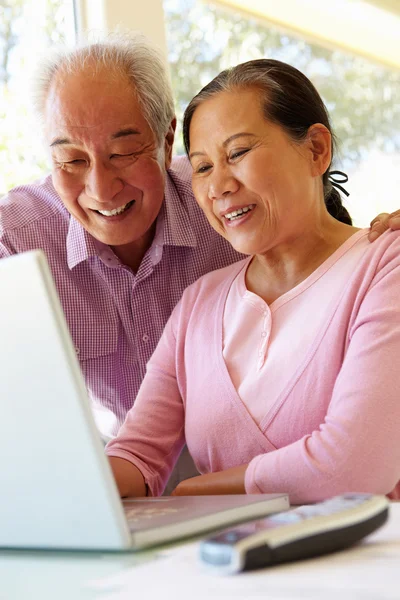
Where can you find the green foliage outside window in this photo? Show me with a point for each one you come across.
(27, 28)
(362, 97)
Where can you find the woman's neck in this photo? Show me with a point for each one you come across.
(277, 271)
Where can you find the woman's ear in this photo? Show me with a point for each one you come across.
(319, 140)
(169, 142)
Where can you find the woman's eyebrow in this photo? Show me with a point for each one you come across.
(233, 137)
(192, 154)
(230, 139)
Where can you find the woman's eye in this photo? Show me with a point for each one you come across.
(238, 153)
(202, 168)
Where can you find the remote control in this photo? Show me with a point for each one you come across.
(301, 532)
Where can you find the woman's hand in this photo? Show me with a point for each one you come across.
(383, 222)
(230, 481)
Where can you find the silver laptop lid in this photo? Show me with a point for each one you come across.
(56, 487)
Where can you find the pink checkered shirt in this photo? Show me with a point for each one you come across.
(115, 317)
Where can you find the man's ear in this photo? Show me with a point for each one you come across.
(319, 140)
(169, 142)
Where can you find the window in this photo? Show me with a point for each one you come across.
(27, 29)
(362, 96)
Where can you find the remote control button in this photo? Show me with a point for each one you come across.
(286, 518)
(230, 537)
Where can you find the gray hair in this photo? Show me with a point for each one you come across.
(126, 55)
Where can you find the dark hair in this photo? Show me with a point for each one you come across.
(289, 99)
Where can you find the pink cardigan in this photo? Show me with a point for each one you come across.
(335, 427)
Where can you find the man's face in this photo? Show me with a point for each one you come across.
(108, 167)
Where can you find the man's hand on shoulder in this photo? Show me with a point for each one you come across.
(383, 222)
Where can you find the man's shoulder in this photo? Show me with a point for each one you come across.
(180, 172)
(215, 251)
(181, 169)
(28, 204)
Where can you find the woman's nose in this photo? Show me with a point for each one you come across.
(221, 184)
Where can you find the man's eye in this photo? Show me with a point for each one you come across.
(238, 153)
(70, 164)
(75, 161)
(123, 155)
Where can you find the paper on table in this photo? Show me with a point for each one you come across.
(366, 572)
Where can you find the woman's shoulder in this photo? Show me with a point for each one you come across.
(384, 251)
(214, 282)
(203, 297)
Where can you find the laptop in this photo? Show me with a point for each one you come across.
(57, 488)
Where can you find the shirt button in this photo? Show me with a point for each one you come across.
(145, 338)
(264, 334)
(77, 350)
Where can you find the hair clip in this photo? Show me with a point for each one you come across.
(338, 177)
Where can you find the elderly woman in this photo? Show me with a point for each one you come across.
(281, 372)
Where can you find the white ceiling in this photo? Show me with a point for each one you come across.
(370, 28)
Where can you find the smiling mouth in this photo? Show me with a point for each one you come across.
(116, 211)
(235, 214)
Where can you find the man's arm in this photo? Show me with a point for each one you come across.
(4, 252)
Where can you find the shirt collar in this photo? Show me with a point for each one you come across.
(174, 228)
(81, 246)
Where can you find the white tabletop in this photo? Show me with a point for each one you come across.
(365, 572)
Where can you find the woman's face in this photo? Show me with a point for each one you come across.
(257, 187)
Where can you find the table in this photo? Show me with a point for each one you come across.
(367, 571)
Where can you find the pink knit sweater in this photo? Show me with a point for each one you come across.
(335, 426)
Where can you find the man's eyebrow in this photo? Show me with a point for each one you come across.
(125, 133)
(119, 134)
(230, 139)
(60, 142)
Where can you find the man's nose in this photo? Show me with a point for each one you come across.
(222, 183)
(102, 183)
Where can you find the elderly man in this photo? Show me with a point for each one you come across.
(116, 218)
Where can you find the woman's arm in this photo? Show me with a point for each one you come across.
(230, 481)
(357, 447)
(152, 436)
(129, 480)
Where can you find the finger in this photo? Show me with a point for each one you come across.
(381, 218)
(394, 220)
(378, 226)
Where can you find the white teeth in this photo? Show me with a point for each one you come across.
(116, 211)
(238, 213)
